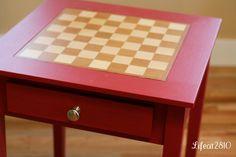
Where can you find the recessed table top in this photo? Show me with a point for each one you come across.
(110, 42)
(178, 74)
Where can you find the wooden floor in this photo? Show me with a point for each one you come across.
(32, 139)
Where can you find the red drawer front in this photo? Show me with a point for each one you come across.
(94, 112)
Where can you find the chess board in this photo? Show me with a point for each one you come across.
(109, 42)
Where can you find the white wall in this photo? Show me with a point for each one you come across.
(224, 53)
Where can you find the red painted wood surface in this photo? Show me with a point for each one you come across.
(3, 151)
(174, 132)
(59, 140)
(195, 119)
(95, 113)
(180, 89)
(158, 124)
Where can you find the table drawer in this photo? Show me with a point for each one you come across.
(95, 113)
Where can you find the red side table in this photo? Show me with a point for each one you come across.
(111, 69)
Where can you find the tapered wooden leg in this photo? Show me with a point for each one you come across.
(195, 119)
(59, 140)
(174, 132)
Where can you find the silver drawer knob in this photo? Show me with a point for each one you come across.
(74, 114)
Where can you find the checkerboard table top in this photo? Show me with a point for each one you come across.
(109, 42)
(96, 47)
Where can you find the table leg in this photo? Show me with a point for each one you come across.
(174, 132)
(59, 140)
(3, 150)
(195, 119)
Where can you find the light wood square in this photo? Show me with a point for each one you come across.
(122, 59)
(144, 55)
(136, 70)
(158, 65)
(66, 59)
(152, 42)
(131, 46)
(127, 25)
(44, 40)
(77, 24)
(77, 45)
(56, 28)
(171, 38)
(86, 13)
(177, 26)
(55, 49)
(165, 51)
(114, 17)
(110, 50)
(138, 33)
(87, 32)
(99, 64)
(156, 29)
(28, 53)
(88, 54)
(97, 21)
(98, 41)
(108, 29)
(146, 22)
(67, 17)
(119, 37)
(66, 36)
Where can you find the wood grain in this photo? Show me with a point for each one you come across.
(33, 139)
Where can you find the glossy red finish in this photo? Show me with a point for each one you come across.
(158, 119)
(59, 140)
(95, 112)
(158, 124)
(174, 132)
(3, 151)
(195, 119)
(180, 88)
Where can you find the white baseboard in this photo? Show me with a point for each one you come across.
(224, 53)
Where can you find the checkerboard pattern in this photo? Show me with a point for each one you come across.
(109, 42)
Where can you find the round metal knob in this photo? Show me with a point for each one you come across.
(74, 114)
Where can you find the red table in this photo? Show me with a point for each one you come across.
(151, 110)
